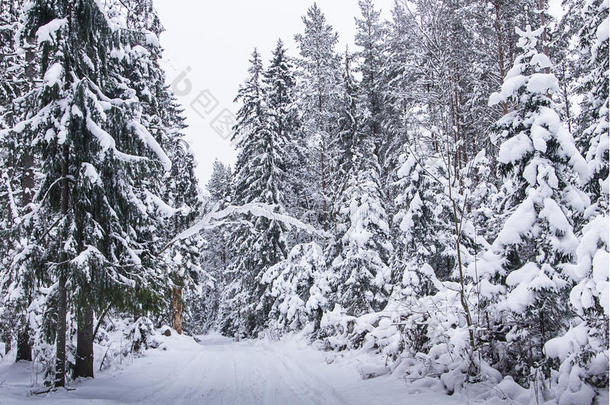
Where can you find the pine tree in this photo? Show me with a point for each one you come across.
(537, 159)
(94, 153)
(215, 254)
(280, 86)
(319, 90)
(259, 177)
(370, 38)
(17, 172)
(593, 131)
(583, 348)
(361, 248)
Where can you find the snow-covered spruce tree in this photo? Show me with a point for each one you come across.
(12, 63)
(593, 121)
(431, 294)
(259, 177)
(94, 153)
(418, 226)
(281, 89)
(400, 95)
(538, 160)
(138, 56)
(220, 184)
(480, 182)
(215, 255)
(583, 349)
(180, 185)
(183, 259)
(17, 186)
(360, 249)
(303, 287)
(319, 89)
(371, 42)
(300, 287)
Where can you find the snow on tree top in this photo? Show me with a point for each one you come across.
(47, 32)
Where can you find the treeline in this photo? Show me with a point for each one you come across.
(456, 158)
(96, 179)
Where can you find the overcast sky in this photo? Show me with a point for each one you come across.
(207, 48)
(210, 43)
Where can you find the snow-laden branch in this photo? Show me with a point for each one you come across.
(257, 209)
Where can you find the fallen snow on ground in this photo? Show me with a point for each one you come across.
(218, 371)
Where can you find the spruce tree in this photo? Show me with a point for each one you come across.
(280, 86)
(400, 95)
(420, 229)
(220, 184)
(319, 90)
(17, 172)
(215, 254)
(300, 288)
(182, 259)
(371, 41)
(538, 161)
(360, 248)
(583, 349)
(259, 177)
(181, 202)
(94, 153)
(593, 121)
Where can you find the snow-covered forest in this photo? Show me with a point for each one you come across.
(433, 197)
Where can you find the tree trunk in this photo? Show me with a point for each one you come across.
(500, 51)
(545, 46)
(62, 305)
(60, 357)
(324, 204)
(84, 342)
(323, 170)
(7, 342)
(457, 221)
(24, 346)
(317, 320)
(177, 309)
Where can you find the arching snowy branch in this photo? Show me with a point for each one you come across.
(256, 209)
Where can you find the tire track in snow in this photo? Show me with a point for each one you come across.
(326, 393)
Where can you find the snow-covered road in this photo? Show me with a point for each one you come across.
(219, 371)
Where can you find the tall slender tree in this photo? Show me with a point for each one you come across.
(280, 88)
(17, 169)
(320, 78)
(259, 177)
(371, 42)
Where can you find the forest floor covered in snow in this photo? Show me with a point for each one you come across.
(217, 370)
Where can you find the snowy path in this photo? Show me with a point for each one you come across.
(219, 371)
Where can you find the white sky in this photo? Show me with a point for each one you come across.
(215, 39)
